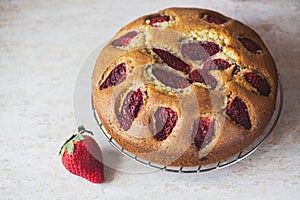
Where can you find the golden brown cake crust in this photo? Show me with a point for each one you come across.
(192, 102)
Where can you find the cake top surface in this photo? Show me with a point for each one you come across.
(184, 79)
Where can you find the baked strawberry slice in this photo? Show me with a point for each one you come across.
(157, 20)
(132, 104)
(172, 60)
(202, 76)
(237, 111)
(199, 50)
(115, 77)
(214, 19)
(82, 156)
(196, 76)
(250, 45)
(165, 121)
(203, 132)
(125, 39)
(257, 81)
(170, 79)
(216, 64)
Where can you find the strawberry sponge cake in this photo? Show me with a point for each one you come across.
(184, 87)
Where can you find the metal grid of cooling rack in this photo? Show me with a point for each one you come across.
(210, 167)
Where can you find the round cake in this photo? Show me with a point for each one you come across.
(184, 87)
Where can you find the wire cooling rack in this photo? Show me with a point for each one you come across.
(210, 167)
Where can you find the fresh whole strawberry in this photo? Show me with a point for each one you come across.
(81, 156)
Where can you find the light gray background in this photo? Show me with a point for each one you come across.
(43, 45)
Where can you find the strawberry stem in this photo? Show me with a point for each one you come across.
(75, 137)
(82, 130)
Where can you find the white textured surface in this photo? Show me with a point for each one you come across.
(42, 47)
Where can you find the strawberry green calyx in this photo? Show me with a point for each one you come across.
(68, 146)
